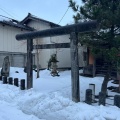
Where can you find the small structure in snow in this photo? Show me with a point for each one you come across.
(5, 67)
(52, 64)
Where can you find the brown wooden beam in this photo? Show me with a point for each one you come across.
(74, 67)
(52, 46)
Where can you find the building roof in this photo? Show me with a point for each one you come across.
(23, 24)
(32, 17)
(14, 23)
(18, 25)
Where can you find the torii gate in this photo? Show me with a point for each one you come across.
(73, 30)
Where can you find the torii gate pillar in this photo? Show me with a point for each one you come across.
(29, 64)
(74, 67)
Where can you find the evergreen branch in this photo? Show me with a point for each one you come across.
(73, 5)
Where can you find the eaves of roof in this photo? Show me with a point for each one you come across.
(17, 25)
(32, 17)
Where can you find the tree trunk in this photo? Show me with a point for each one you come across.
(106, 80)
(104, 84)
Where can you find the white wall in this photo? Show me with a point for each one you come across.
(63, 54)
(44, 54)
(10, 44)
(8, 41)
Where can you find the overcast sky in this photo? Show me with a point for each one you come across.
(51, 10)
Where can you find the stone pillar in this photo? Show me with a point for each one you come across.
(10, 80)
(16, 82)
(92, 87)
(117, 100)
(5, 67)
(4, 80)
(102, 98)
(88, 97)
(22, 85)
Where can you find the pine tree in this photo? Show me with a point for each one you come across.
(106, 40)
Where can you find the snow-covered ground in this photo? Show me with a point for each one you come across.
(50, 99)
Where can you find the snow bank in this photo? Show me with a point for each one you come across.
(50, 99)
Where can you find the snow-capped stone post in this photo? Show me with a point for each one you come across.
(102, 98)
(10, 80)
(4, 80)
(92, 87)
(117, 100)
(16, 82)
(22, 84)
(88, 96)
(0, 78)
(74, 67)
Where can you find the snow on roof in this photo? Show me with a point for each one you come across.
(3, 18)
(23, 24)
(11, 22)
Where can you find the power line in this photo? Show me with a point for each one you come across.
(6, 17)
(63, 15)
(9, 18)
(6, 12)
(10, 12)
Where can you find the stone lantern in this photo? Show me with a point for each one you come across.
(53, 61)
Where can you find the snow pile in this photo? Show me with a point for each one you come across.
(50, 99)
